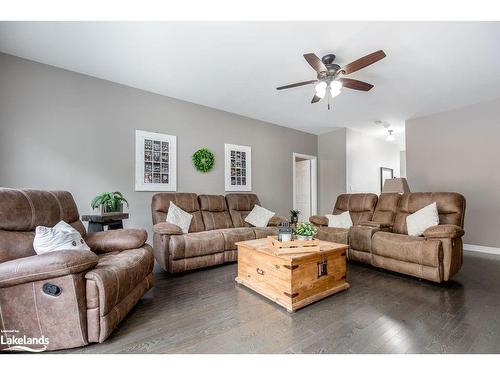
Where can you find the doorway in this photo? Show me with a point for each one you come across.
(305, 185)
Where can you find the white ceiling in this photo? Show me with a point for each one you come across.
(235, 66)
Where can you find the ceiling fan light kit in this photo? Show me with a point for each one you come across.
(330, 76)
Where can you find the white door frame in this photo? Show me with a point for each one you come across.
(314, 180)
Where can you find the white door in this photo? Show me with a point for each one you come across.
(303, 189)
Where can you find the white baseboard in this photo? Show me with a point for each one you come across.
(482, 249)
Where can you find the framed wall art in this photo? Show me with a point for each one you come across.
(155, 161)
(238, 167)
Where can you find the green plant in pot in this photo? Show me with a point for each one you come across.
(294, 219)
(305, 231)
(109, 202)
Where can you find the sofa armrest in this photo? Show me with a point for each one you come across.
(45, 266)
(276, 221)
(319, 220)
(116, 240)
(374, 224)
(444, 231)
(166, 228)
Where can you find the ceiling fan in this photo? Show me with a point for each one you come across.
(330, 75)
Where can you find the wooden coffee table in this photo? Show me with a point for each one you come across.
(292, 281)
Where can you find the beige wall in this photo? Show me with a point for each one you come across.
(63, 130)
(332, 168)
(459, 151)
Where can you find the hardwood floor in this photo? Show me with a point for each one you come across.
(207, 312)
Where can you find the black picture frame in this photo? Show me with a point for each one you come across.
(383, 175)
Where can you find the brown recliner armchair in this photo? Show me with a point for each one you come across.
(70, 297)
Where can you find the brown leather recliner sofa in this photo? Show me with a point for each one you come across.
(217, 224)
(71, 297)
(383, 240)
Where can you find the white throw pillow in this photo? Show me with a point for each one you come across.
(179, 217)
(342, 220)
(259, 216)
(61, 236)
(422, 219)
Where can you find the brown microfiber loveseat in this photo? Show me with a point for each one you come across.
(383, 240)
(71, 297)
(217, 224)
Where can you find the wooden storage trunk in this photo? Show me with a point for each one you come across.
(292, 280)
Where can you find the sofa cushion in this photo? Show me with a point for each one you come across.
(216, 220)
(186, 201)
(196, 244)
(360, 237)
(342, 220)
(61, 236)
(213, 203)
(337, 235)
(115, 276)
(360, 206)
(259, 216)
(419, 221)
(233, 235)
(407, 248)
(179, 217)
(386, 208)
(214, 212)
(239, 206)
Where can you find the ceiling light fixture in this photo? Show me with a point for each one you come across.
(321, 89)
(390, 137)
(335, 87)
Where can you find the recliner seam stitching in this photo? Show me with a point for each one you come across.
(36, 309)
(32, 206)
(43, 273)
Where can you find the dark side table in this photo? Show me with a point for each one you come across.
(97, 222)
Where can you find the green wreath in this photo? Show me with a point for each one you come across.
(203, 160)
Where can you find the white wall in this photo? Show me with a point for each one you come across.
(364, 157)
(402, 163)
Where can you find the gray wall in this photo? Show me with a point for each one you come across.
(63, 130)
(332, 168)
(459, 151)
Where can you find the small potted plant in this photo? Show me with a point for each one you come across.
(305, 231)
(109, 202)
(294, 219)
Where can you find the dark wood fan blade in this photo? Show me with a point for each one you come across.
(296, 84)
(315, 99)
(315, 62)
(363, 62)
(355, 84)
